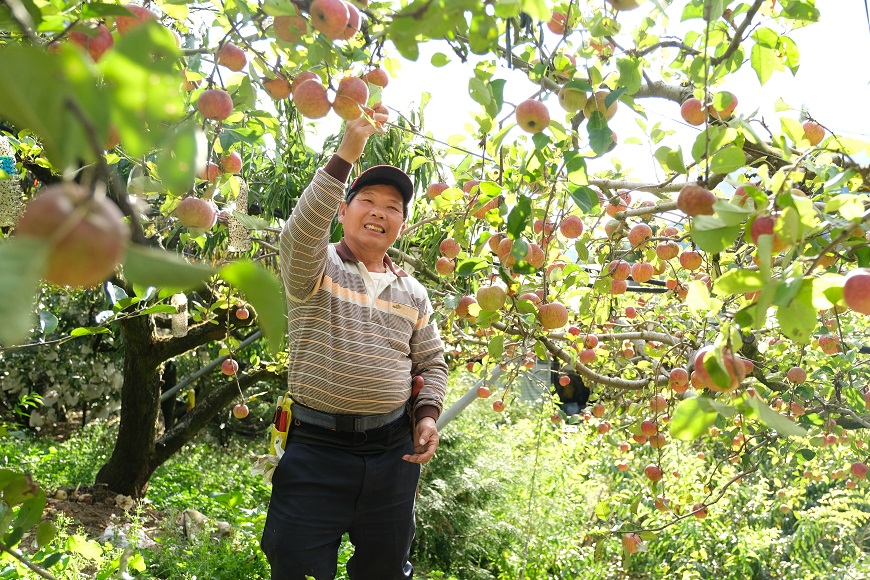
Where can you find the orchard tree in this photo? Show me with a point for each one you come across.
(727, 302)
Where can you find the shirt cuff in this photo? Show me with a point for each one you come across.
(426, 411)
(338, 168)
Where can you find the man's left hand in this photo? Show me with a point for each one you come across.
(425, 441)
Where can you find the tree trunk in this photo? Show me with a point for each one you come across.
(129, 467)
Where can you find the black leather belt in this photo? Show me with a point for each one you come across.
(344, 423)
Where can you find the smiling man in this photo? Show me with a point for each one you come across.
(361, 338)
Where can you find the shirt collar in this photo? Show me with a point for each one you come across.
(344, 252)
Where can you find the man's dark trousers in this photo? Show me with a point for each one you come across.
(329, 483)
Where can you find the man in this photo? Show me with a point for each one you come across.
(360, 328)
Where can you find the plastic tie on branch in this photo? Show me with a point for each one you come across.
(240, 238)
(179, 319)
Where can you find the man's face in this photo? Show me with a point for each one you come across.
(373, 219)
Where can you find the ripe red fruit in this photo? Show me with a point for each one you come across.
(483, 392)
(619, 269)
(630, 312)
(653, 472)
(557, 23)
(691, 260)
(657, 441)
(859, 470)
(350, 96)
(196, 213)
(329, 17)
(289, 28)
(215, 104)
(243, 313)
(700, 511)
(658, 403)
(94, 235)
(232, 163)
(436, 189)
(553, 315)
(94, 39)
(642, 271)
(649, 428)
(564, 380)
(598, 410)
(232, 57)
(571, 227)
(829, 344)
(814, 132)
(692, 112)
(591, 341)
(449, 248)
(733, 365)
(694, 200)
(277, 88)
(586, 356)
(140, 16)
(302, 77)
(498, 406)
(639, 234)
(210, 172)
(603, 427)
(445, 266)
(631, 543)
(796, 375)
(679, 377)
(723, 105)
(311, 99)
(532, 116)
(763, 225)
(462, 307)
(377, 76)
(856, 290)
(354, 20)
(229, 367)
(667, 250)
(240, 411)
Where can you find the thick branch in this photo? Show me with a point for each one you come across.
(589, 374)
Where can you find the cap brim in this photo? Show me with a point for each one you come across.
(385, 175)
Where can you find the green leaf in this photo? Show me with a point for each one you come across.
(692, 418)
(600, 135)
(99, 10)
(496, 346)
(671, 159)
(537, 9)
(797, 320)
(467, 267)
(30, 511)
(250, 222)
(176, 160)
(265, 293)
(575, 165)
(728, 159)
(519, 216)
(764, 62)
(22, 261)
(479, 91)
(712, 235)
(439, 59)
(86, 548)
(47, 322)
(629, 74)
(584, 198)
(88, 330)
(783, 425)
(161, 269)
(738, 281)
(602, 509)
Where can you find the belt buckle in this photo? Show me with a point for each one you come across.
(347, 423)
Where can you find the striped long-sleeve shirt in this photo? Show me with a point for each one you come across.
(351, 352)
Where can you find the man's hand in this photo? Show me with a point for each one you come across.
(425, 441)
(358, 131)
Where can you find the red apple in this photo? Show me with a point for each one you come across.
(436, 189)
(483, 392)
(140, 16)
(87, 234)
(723, 105)
(649, 428)
(557, 23)
(692, 112)
(814, 132)
(657, 404)
(210, 172)
(240, 411)
(311, 99)
(243, 313)
(301, 77)
(691, 260)
(229, 367)
(642, 272)
(700, 511)
(354, 19)
(232, 57)
(277, 88)
(289, 28)
(619, 269)
(733, 365)
(449, 248)
(215, 104)
(639, 234)
(445, 266)
(631, 543)
(94, 39)
(232, 163)
(329, 17)
(571, 227)
(498, 406)
(553, 315)
(377, 76)
(462, 307)
(653, 472)
(351, 95)
(532, 116)
(586, 356)
(829, 344)
(597, 104)
(667, 250)
(859, 470)
(796, 375)
(763, 225)
(694, 200)
(856, 290)
(196, 213)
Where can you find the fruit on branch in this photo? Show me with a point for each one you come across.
(856, 290)
(603, 427)
(311, 99)
(829, 344)
(436, 189)
(491, 298)
(210, 172)
(498, 406)
(535, 256)
(859, 470)
(667, 250)
(87, 235)
(329, 17)
(240, 411)
(469, 185)
(351, 95)
(648, 427)
(232, 57)
(597, 104)
(590, 341)
(445, 266)
(642, 272)
(763, 225)
(700, 511)
(462, 308)
(232, 163)
(723, 105)
(196, 213)
(691, 260)
(215, 104)
(558, 23)
(630, 312)
(694, 200)
(796, 375)
(572, 99)
(480, 212)
(631, 543)
(814, 132)
(532, 116)
(670, 232)
(302, 77)
(553, 315)
(377, 76)
(618, 287)
(639, 234)
(571, 227)
(484, 392)
(140, 17)
(94, 39)
(586, 356)
(354, 19)
(658, 441)
(653, 472)
(733, 366)
(692, 112)
(619, 269)
(277, 88)
(243, 313)
(229, 367)
(289, 29)
(449, 248)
